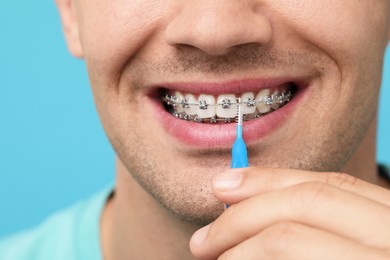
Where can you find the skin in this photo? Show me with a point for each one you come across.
(295, 203)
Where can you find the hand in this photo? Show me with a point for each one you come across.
(292, 214)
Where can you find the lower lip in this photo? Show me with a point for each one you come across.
(208, 136)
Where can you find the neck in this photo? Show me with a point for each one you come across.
(140, 228)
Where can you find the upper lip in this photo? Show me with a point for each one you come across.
(236, 86)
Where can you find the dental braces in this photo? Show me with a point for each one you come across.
(214, 119)
(269, 100)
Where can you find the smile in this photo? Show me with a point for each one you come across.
(202, 115)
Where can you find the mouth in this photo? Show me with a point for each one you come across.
(202, 115)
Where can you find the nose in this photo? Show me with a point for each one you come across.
(217, 26)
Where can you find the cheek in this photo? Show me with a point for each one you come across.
(346, 30)
(350, 33)
(113, 31)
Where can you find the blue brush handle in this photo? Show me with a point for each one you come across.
(239, 153)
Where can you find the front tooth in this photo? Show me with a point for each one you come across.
(262, 107)
(191, 109)
(206, 108)
(275, 105)
(248, 107)
(226, 107)
(179, 98)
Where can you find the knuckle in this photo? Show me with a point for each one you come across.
(341, 180)
(278, 238)
(307, 196)
(274, 176)
(309, 193)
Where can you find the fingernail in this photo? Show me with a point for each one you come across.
(228, 180)
(199, 236)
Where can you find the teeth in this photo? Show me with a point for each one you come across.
(249, 106)
(180, 99)
(191, 109)
(226, 107)
(206, 108)
(261, 98)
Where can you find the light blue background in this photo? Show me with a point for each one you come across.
(53, 150)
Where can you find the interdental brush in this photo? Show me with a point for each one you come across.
(239, 152)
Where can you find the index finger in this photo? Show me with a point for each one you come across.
(256, 180)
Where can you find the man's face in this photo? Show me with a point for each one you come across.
(328, 54)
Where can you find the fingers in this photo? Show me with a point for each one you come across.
(315, 204)
(239, 184)
(294, 241)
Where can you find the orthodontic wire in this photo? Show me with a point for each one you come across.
(269, 100)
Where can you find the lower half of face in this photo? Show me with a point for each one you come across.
(308, 90)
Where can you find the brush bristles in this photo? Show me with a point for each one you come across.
(239, 117)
